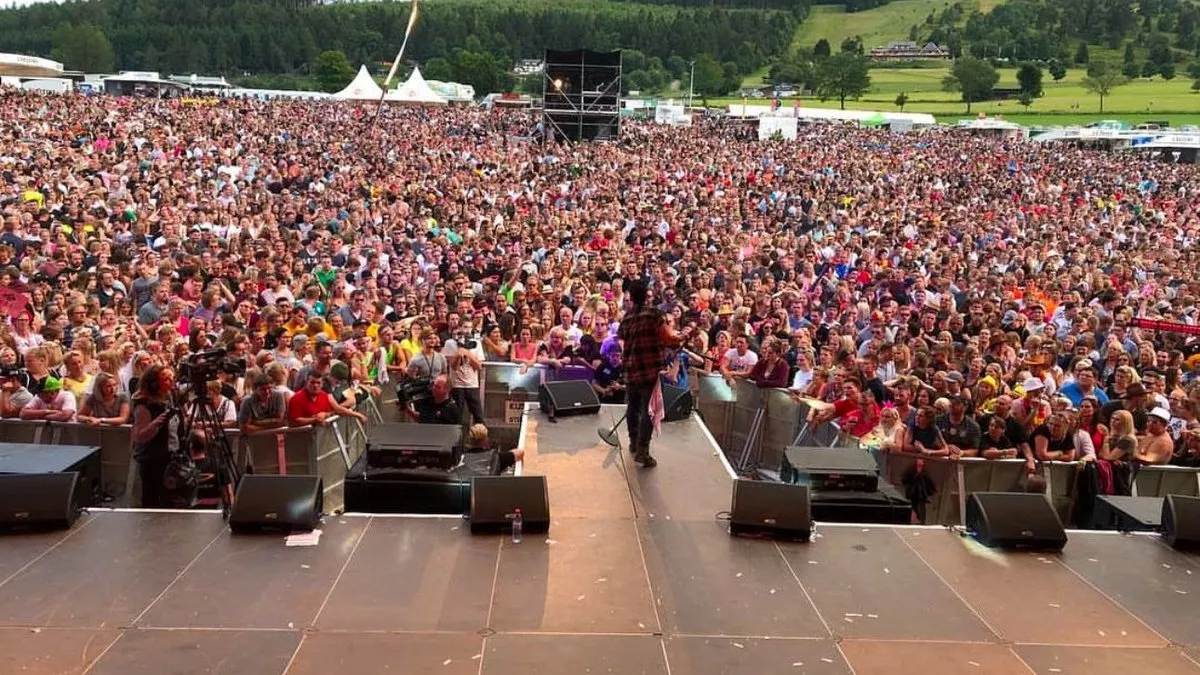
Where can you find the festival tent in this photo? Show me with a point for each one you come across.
(415, 91)
(362, 88)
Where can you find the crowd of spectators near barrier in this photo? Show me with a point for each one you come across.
(930, 292)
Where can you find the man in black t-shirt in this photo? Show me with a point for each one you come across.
(439, 408)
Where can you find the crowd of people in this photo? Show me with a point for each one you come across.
(942, 293)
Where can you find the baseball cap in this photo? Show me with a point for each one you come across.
(52, 385)
(1033, 384)
(1161, 413)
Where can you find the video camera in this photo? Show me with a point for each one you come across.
(198, 369)
(8, 372)
(414, 391)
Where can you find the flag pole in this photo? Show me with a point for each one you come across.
(412, 22)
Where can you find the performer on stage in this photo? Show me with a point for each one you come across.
(646, 336)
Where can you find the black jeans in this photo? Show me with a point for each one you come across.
(468, 401)
(637, 415)
(151, 471)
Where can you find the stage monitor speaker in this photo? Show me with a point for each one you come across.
(495, 499)
(679, 403)
(1014, 520)
(1181, 521)
(268, 503)
(779, 510)
(569, 397)
(40, 501)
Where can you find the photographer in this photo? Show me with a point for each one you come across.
(464, 375)
(263, 409)
(439, 407)
(155, 432)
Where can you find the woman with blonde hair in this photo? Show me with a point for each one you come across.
(76, 380)
(105, 405)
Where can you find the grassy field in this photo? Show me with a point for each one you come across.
(1064, 102)
(875, 26)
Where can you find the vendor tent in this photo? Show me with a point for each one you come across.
(416, 91)
(362, 88)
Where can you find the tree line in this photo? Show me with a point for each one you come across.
(236, 37)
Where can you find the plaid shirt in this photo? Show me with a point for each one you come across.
(642, 332)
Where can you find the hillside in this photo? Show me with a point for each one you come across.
(875, 26)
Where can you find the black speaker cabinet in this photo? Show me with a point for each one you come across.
(1014, 520)
(569, 397)
(267, 503)
(494, 500)
(678, 401)
(779, 510)
(40, 501)
(1181, 521)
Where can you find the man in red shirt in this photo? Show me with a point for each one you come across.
(313, 405)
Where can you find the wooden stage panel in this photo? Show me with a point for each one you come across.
(1029, 597)
(21, 548)
(868, 584)
(1106, 660)
(586, 576)
(743, 656)
(1159, 585)
(108, 571)
(585, 477)
(415, 575)
(140, 652)
(387, 654)
(709, 583)
(254, 581)
(574, 655)
(60, 651)
(925, 658)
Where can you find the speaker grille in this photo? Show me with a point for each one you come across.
(1014, 520)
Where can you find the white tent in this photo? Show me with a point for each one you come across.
(416, 90)
(363, 88)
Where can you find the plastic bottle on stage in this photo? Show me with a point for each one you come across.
(516, 526)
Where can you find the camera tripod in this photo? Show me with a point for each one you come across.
(217, 451)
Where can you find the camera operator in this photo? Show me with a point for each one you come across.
(13, 396)
(465, 365)
(313, 405)
(439, 407)
(155, 432)
(263, 409)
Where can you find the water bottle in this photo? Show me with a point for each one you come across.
(516, 526)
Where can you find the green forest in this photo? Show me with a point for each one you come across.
(477, 39)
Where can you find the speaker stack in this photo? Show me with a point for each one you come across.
(1181, 521)
(41, 501)
(269, 503)
(1014, 520)
(568, 397)
(767, 509)
(496, 499)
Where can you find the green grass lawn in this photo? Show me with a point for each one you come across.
(875, 26)
(1064, 102)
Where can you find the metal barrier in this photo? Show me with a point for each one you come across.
(1160, 481)
(326, 451)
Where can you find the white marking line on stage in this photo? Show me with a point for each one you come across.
(362, 535)
(723, 636)
(43, 554)
(1116, 604)
(179, 576)
(299, 646)
(492, 597)
(803, 590)
(662, 642)
(716, 447)
(952, 589)
(880, 526)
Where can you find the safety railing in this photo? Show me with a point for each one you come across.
(327, 451)
(505, 388)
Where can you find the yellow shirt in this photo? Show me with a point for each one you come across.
(77, 387)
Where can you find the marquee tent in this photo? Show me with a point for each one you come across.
(415, 91)
(362, 88)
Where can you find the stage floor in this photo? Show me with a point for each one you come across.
(635, 576)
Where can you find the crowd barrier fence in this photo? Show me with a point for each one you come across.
(327, 451)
